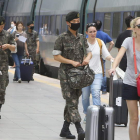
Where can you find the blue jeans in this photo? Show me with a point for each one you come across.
(94, 89)
(104, 86)
(17, 59)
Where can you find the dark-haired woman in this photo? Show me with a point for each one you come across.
(21, 46)
(95, 65)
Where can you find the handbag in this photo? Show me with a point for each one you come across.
(80, 77)
(135, 65)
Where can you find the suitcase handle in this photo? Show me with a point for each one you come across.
(26, 60)
(111, 90)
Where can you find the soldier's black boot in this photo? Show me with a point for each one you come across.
(80, 131)
(65, 132)
(0, 109)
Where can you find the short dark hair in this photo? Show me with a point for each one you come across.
(30, 22)
(19, 22)
(90, 25)
(98, 24)
(128, 19)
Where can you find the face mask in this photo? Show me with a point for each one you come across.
(12, 25)
(75, 26)
(32, 27)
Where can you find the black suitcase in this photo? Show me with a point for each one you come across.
(116, 101)
(26, 69)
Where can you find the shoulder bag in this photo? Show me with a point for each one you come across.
(135, 65)
(80, 77)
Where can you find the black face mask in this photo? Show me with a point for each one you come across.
(32, 27)
(75, 26)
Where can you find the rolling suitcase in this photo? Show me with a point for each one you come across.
(116, 101)
(26, 69)
(99, 123)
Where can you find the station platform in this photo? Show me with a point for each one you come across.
(34, 111)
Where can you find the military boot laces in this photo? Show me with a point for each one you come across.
(65, 132)
(80, 131)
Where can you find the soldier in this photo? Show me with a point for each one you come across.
(32, 43)
(68, 50)
(6, 43)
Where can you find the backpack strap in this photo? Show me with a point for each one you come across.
(100, 45)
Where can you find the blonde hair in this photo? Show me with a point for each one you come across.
(133, 25)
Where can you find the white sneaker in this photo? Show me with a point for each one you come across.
(84, 121)
(19, 80)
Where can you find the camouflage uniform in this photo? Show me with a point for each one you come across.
(5, 38)
(70, 47)
(32, 45)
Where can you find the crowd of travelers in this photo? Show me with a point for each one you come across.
(70, 49)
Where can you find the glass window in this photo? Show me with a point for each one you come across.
(58, 25)
(124, 16)
(45, 25)
(107, 23)
(24, 21)
(52, 25)
(63, 26)
(17, 19)
(137, 14)
(20, 19)
(116, 24)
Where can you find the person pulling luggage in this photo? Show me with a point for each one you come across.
(32, 43)
(98, 49)
(130, 93)
(7, 44)
(68, 50)
(21, 46)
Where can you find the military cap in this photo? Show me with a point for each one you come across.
(2, 20)
(72, 15)
(30, 22)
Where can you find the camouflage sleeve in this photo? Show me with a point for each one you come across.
(58, 46)
(37, 37)
(86, 45)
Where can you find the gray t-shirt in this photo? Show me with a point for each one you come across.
(130, 78)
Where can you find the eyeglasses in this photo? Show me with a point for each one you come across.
(138, 26)
(91, 24)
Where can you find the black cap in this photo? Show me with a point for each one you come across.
(30, 22)
(72, 15)
(2, 20)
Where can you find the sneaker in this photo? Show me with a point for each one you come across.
(104, 92)
(14, 79)
(84, 121)
(19, 80)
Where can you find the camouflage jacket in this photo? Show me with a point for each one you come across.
(70, 47)
(31, 41)
(5, 38)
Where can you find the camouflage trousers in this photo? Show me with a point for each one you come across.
(4, 80)
(71, 113)
(33, 57)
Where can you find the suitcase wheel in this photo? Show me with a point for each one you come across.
(28, 81)
(125, 124)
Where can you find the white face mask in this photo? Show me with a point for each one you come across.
(12, 25)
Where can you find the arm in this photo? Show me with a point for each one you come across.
(66, 61)
(111, 44)
(37, 49)
(26, 50)
(109, 58)
(87, 59)
(8, 46)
